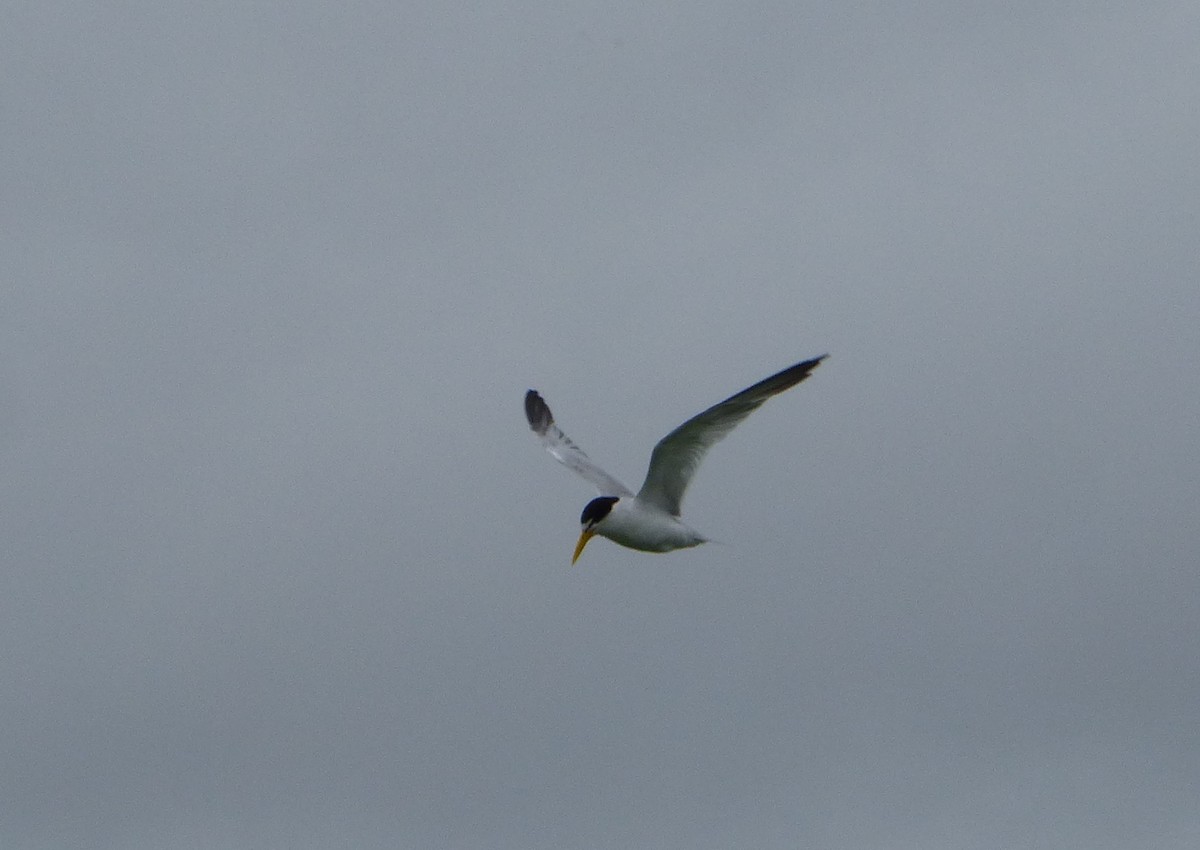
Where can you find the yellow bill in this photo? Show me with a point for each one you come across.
(583, 539)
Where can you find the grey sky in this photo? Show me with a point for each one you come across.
(285, 568)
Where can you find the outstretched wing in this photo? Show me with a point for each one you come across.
(566, 452)
(677, 455)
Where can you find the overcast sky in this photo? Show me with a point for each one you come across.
(283, 566)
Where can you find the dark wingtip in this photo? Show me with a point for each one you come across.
(537, 412)
(780, 381)
(795, 374)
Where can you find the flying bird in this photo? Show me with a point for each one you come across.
(649, 520)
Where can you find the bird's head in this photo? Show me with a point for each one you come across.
(594, 513)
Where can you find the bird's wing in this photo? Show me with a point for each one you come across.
(566, 452)
(678, 454)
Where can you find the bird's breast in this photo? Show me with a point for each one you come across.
(647, 529)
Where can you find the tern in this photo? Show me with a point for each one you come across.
(649, 521)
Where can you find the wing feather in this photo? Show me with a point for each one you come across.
(678, 455)
(565, 451)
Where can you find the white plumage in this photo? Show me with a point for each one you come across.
(650, 519)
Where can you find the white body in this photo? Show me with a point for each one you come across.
(647, 528)
(650, 520)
